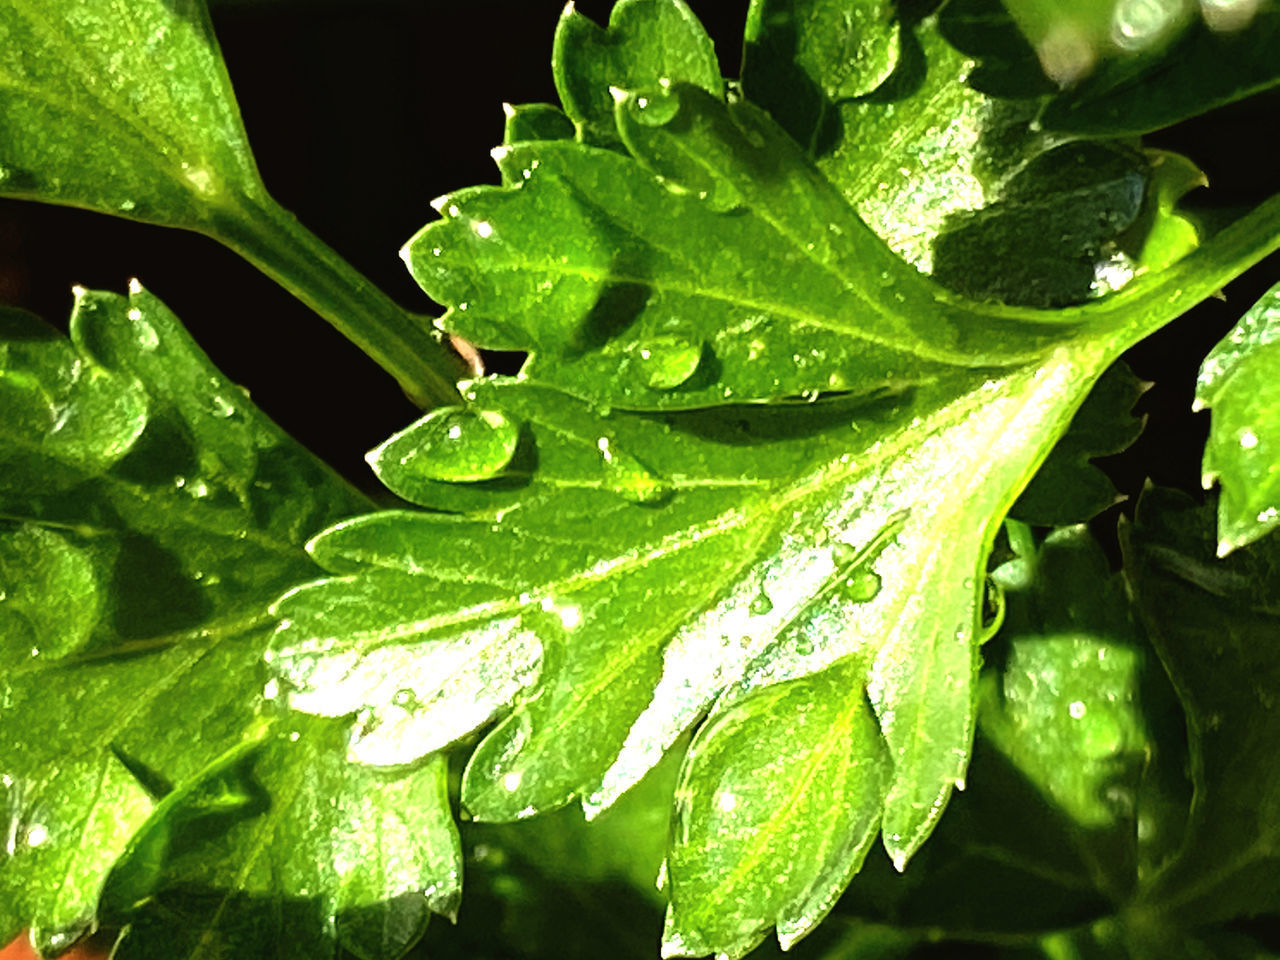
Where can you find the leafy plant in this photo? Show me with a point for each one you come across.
(776, 539)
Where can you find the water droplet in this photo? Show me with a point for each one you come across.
(760, 604)
(667, 362)
(1077, 709)
(37, 835)
(655, 109)
(1248, 439)
(221, 407)
(843, 554)
(405, 698)
(1136, 24)
(453, 444)
(145, 333)
(863, 586)
(126, 206)
(628, 477)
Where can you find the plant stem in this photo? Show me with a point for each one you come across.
(1199, 275)
(402, 343)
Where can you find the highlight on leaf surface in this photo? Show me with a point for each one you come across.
(1239, 382)
(645, 532)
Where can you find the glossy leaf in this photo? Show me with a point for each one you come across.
(648, 43)
(664, 542)
(1213, 622)
(799, 298)
(778, 803)
(140, 120)
(920, 149)
(285, 849)
(150, 516)
(648, 608)
(1068, 488)
(1240, 382)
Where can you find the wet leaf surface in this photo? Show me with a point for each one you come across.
(1239, 382)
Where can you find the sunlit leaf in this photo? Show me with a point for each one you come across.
(1068, 488)
(1240, 382)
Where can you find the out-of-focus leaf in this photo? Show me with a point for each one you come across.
(1068, 488)
(1119, 67)
(1201, 69)
(1063, 704)
(285, 849)
(148, 516)
(1240, 382)
(1214, 623)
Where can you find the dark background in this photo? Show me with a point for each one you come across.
(361, 111)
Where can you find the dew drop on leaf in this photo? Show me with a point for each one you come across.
(668, 362)
(655, 109)
(627, 477)
(760, 604)
(862, 586)
(452, 444)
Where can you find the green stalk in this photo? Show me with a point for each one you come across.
(1153, 302)
(404, 344)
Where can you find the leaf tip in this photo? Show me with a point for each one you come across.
(508, 110)
(900, 859)
(135, 286)
(619, 95)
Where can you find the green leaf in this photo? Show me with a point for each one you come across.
(132, 114)
(920, 149)
(1213, 622)
(648, 43)
(1068, 488)
(148, 516)
(63, 415)
(1240, 381)
(778, 802)
(139, 120)
(620, 302)
(647, 566)
(626, 540)
(802, 57)
(1064, 703)
(286, 849)
(1204, 68)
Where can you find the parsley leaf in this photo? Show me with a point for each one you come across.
(1240, 381)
